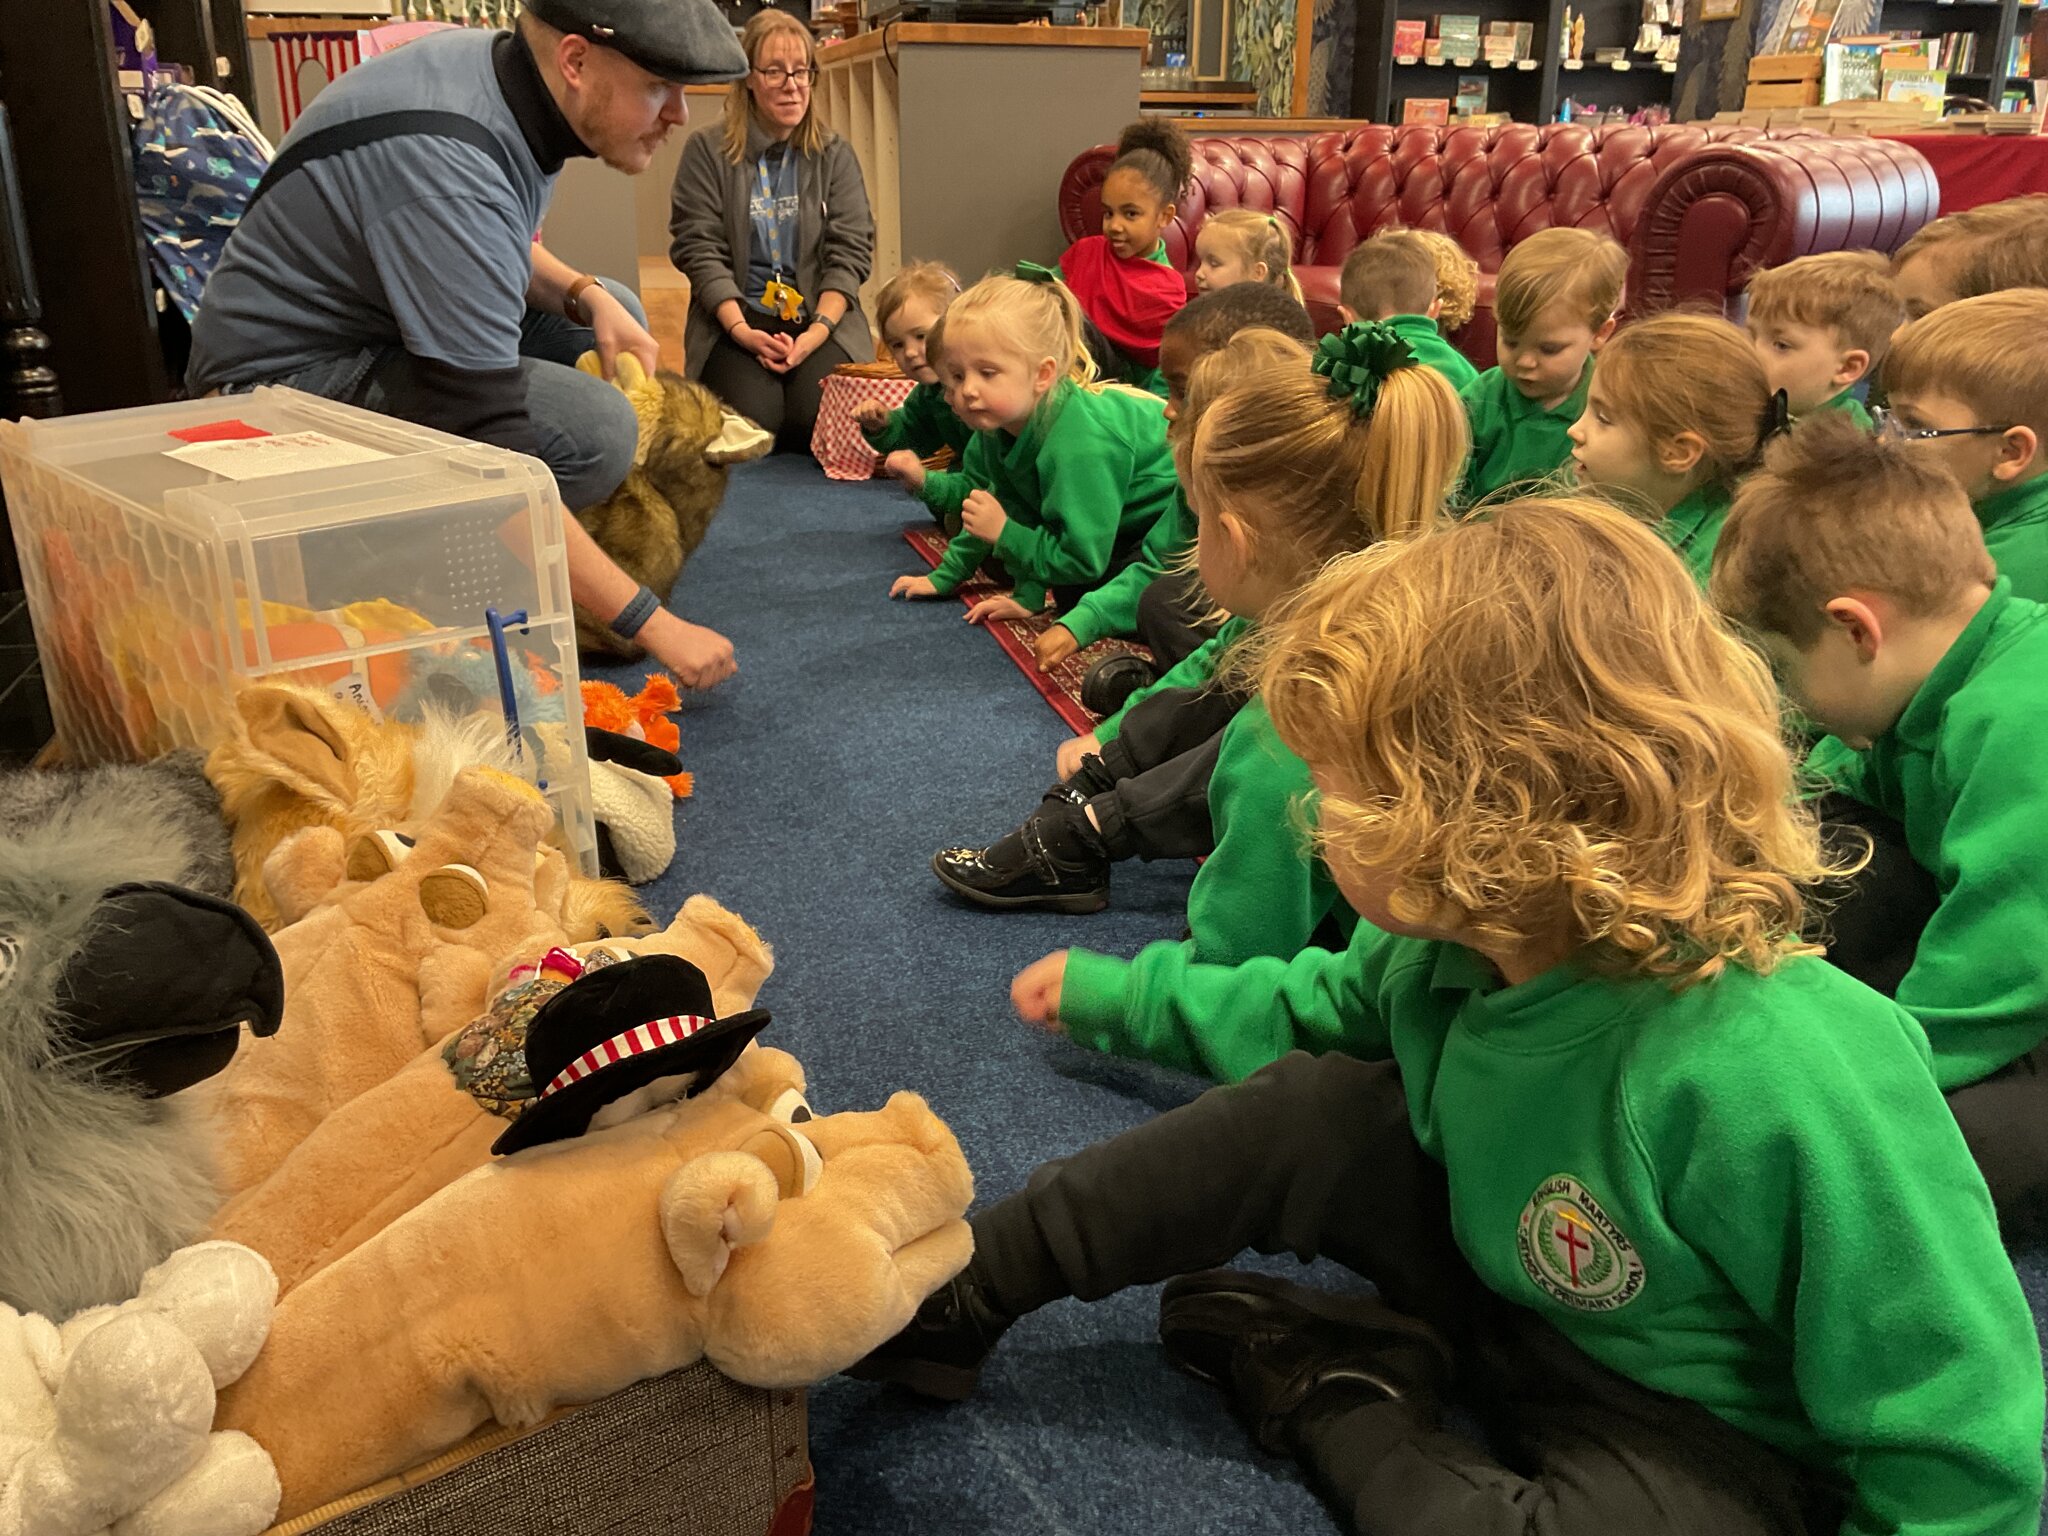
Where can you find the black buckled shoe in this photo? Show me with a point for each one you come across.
(940, 1353)
(1055, 862)
(1269, 1346)
(1112, 680)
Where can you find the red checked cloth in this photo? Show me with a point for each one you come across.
(836, 441)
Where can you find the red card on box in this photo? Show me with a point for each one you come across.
(218, 432)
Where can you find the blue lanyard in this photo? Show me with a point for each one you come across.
(775, 227)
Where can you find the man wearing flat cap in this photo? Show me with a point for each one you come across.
(389, 257)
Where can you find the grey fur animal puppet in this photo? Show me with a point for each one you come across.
(124, 976)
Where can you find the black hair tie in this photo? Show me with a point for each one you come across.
(1777, 417)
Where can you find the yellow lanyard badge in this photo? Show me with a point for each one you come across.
(778, 298)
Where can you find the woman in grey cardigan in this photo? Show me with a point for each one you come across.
(769, 221)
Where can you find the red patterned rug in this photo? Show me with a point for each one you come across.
(1061, 686)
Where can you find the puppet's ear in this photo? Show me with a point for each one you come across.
(589, 363)
(712, 1205)
(301, 739)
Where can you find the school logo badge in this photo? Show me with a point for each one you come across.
(1574, 1252)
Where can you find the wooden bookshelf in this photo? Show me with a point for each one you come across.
(1996, 23)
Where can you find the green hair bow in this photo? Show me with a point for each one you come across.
(1032, 272)
(1357, 360)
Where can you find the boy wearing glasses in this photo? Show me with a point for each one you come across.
(1859, 566)
(1969, 388)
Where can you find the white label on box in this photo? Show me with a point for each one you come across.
(286, 453)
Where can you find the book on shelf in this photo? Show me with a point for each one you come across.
(1497, 50)
(1433, 49)
(2020, 62)
(1805, 27)
(1458, 33)
(1409, 36)
(1606, 56)
(1958, 53)
(1850, 72)
(1426, 109)
(1911, 53)
(1923, 85)
(1471, 95)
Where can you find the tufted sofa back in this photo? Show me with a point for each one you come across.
(1490, 188)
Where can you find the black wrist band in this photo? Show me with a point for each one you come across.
(634, 616)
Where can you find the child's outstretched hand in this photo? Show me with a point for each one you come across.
(1055, 646)
(905, 466)
(913, 586)
(983, 516)
(871, 415)
(989, 609)
(1035, 994)
(1068, 763)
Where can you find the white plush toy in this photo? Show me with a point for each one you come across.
(106, 1423)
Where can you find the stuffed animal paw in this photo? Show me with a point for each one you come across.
(106, 1423)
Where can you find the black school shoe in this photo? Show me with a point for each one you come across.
(1055, 862)
(940, 1353)
(1110, 683)
(1271, 1346)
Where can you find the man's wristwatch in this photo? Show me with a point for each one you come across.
(573, 307)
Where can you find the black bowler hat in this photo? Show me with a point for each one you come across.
(615, 1030)
(687, 41)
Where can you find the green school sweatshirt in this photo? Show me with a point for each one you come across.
(1847, 401)
(1694, 526)
(1263, 891)
(1432, 351)
(1192, 671)
(1112, 608)
(1513, 437)
(2016, 532)
(1087, 477)
(1748, 1193)
(1960, 771)
(924, 424)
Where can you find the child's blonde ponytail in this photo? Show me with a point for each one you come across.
(1030, 312)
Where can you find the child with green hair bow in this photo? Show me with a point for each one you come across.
(1290, 462)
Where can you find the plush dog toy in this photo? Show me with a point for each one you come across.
(123, 979)
(106, 1423)
(733, 1226)
(658, 516)
(394, 1146)
(388, 949)
(300, 758)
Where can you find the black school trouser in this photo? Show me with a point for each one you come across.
(1172, 622)
(1873, 926)
(1161, 758)
(1314, 1156)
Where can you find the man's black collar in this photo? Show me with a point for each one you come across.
(547, 132)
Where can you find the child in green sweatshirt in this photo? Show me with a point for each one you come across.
(1286, 470)
(909, 312)
(1821, 326)
(1553, 308)
(1675, 1207)
(1968, 387)
(1678, 408)
(1392, 278)
(1066, 479)
(1859, 565)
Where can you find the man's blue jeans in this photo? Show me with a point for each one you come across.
(587, 429)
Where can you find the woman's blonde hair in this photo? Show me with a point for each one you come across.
(1308, 476)
(811, 134)
(1258, 237)
(1676, 373)
(1532, 723)
(1031, 319)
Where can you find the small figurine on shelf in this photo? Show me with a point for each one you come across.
(1579, 35)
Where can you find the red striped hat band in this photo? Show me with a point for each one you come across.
(652, 1035)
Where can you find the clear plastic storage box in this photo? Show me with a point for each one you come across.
(172, 551)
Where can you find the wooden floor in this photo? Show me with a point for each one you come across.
(666, 293)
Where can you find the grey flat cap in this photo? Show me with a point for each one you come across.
(687, 41)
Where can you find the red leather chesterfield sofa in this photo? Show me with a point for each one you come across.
(1700, 208)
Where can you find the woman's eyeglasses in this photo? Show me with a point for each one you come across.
(1889, 425)
(777, 74)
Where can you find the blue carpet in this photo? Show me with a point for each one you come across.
(859, 736)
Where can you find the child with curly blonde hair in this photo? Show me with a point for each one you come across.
(1061, 479)
(1674, 1203)
(908, 313)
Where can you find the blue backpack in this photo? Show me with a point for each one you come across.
(198, 156)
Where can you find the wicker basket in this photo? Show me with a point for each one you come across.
(690, 1451)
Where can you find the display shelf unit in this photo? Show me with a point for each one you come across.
(1529, 89)
(1996, 24)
